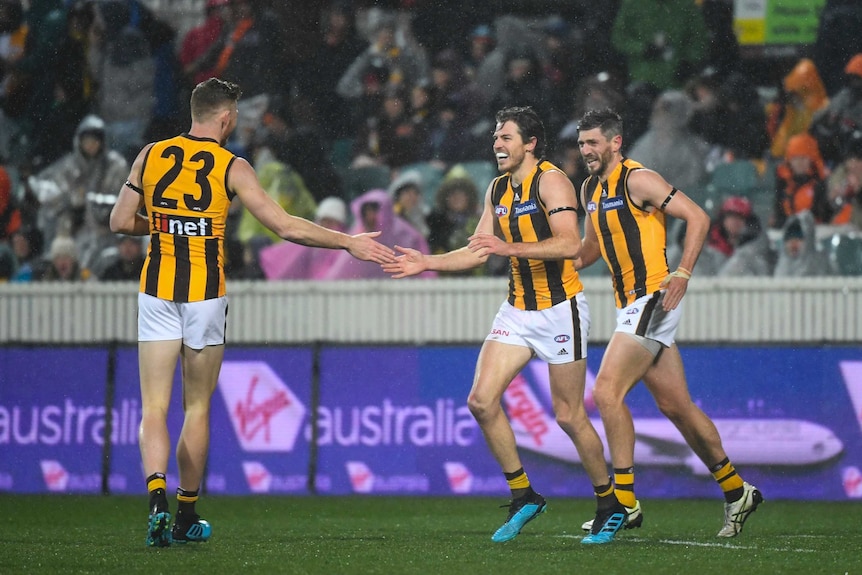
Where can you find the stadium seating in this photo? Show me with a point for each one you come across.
(481, 172)
(736, 178)
(357, 181)
(432, 177)
(845, 251)
(740, 178)
(340, 154)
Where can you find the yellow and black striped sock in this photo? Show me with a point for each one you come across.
(605, 497)
(186, 502)
(728, 479)
(518, 482)
(157, 487)
(624, 479)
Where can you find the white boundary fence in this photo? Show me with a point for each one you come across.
(764, 310)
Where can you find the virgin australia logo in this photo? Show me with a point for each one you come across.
(266, 415)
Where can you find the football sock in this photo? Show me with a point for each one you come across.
(518, 482)
(624, 479)
(605, 498)
(728, 479)
(186, 502)
(156, 486)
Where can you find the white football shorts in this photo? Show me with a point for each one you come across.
(198, 324)
(645, 317)
(556, 335)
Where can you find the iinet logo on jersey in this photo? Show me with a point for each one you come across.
(264, 412)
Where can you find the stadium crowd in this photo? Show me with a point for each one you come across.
(378, 115)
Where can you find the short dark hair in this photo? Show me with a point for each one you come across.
(529, 125)
(211, 95)
(608, 121)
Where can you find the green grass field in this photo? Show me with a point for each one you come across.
(400, 535)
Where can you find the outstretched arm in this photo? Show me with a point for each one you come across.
(243, 180)
(412, 262)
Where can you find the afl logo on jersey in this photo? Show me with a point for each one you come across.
(562, 338)
(501, 211)
(591, 207)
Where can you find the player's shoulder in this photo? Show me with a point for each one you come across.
(642, 175)
(552, 177)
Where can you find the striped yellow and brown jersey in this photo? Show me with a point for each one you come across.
(632, 239)
(187, 200)
(522, 217)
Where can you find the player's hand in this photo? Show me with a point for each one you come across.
(365, 247)
(675, 286)
(483, 245)
(410, 263)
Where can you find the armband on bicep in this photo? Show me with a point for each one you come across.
(129, 184)
(562, 209)
(669, 197)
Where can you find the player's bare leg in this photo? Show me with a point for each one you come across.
(567, 393)
(667, 383)
(497, 366)
(157, 364)
(200, 377)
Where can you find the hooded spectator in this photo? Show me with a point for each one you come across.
(77, 191)
(126, 97)
(408, 199)
(799, 255)
(803, 95)
(738, 234)
(669, 147)
(290, 261)
(834, 125)
(798, 180)
(843, 188)
(454, 218)
(373, 211)
(63, 263)
(284, 185)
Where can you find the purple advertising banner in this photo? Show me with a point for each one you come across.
(393, 420)
(52, 419)
(256, 427)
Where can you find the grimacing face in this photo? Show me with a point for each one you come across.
(596, 150)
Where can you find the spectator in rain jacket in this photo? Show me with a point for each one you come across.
(371, 211)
